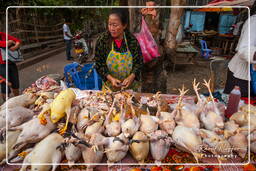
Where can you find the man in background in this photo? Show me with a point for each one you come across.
(67, 38)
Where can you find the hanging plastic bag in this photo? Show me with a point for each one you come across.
(147, 43)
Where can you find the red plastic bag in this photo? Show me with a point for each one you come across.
(147, 43)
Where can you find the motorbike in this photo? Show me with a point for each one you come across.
(81, 48)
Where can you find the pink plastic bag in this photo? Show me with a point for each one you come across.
(147, 43)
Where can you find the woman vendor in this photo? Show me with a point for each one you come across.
(118, 55)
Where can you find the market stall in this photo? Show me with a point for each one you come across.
(51, 124)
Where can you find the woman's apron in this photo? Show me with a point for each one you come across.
(120, 67)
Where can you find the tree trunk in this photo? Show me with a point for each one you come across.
(132, 15)
(174, 22)
(123, 3)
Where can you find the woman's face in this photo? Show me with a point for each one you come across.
(115, 26)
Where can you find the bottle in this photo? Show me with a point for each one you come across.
(233, 101)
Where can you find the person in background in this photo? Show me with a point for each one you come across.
(13, 75)
(118, 55)
(67, 38)
(238, 69)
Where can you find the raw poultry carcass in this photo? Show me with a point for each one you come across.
(83, 119)
(230, 128)
(33, 131)
(130, 126)
(187, 139)
(116, 148)
(112, 123)
(160, 144)
(16, 116)
(239, 142)
(242, 117)
(12, 138)
(166, 122)
(139, 146)
(252, 138)
(72, 154)
(149, 124)
(60, 107)
(183, 116)
(45, 152)
(211, 116)
(44, 97)
(216, 144)
(23, 100)
(253, 147)
(89, 154)
(96, 127)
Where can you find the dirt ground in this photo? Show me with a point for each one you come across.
(185, 74)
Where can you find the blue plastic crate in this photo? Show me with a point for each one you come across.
(253, 80)
(84, 78)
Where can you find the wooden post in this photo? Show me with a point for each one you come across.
(174, 22)
(35, 27)
(132, 15)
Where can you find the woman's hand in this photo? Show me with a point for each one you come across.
(128, 81)
(115, 82)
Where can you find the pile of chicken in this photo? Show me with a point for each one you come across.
(47, 122)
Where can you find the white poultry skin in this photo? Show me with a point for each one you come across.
(210, 115)
(183, 116)
(240, 143)
(139, 146)
(91, 154)
(32, 131)
(116, 148)
(16, 116)
(242, 118)
(112, 128)
(23, 100)
(82, 120)
(12, 138)
(217, 144)
(187, 139)
(149, 124)
(130, 126)
(72, 153)
(166, 122)
(45, 151)
(160, 144)
(252, 138)
(96, 127)
(230, 128)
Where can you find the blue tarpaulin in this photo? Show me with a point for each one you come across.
(197, 19)
(225, 22)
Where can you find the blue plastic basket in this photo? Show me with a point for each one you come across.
(253, 80)
(85, 79)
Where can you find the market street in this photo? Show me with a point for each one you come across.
(52, 65)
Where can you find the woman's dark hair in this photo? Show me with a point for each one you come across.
(122, 13)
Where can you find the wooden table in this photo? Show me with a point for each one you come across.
(188, 55)
(226, 42)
